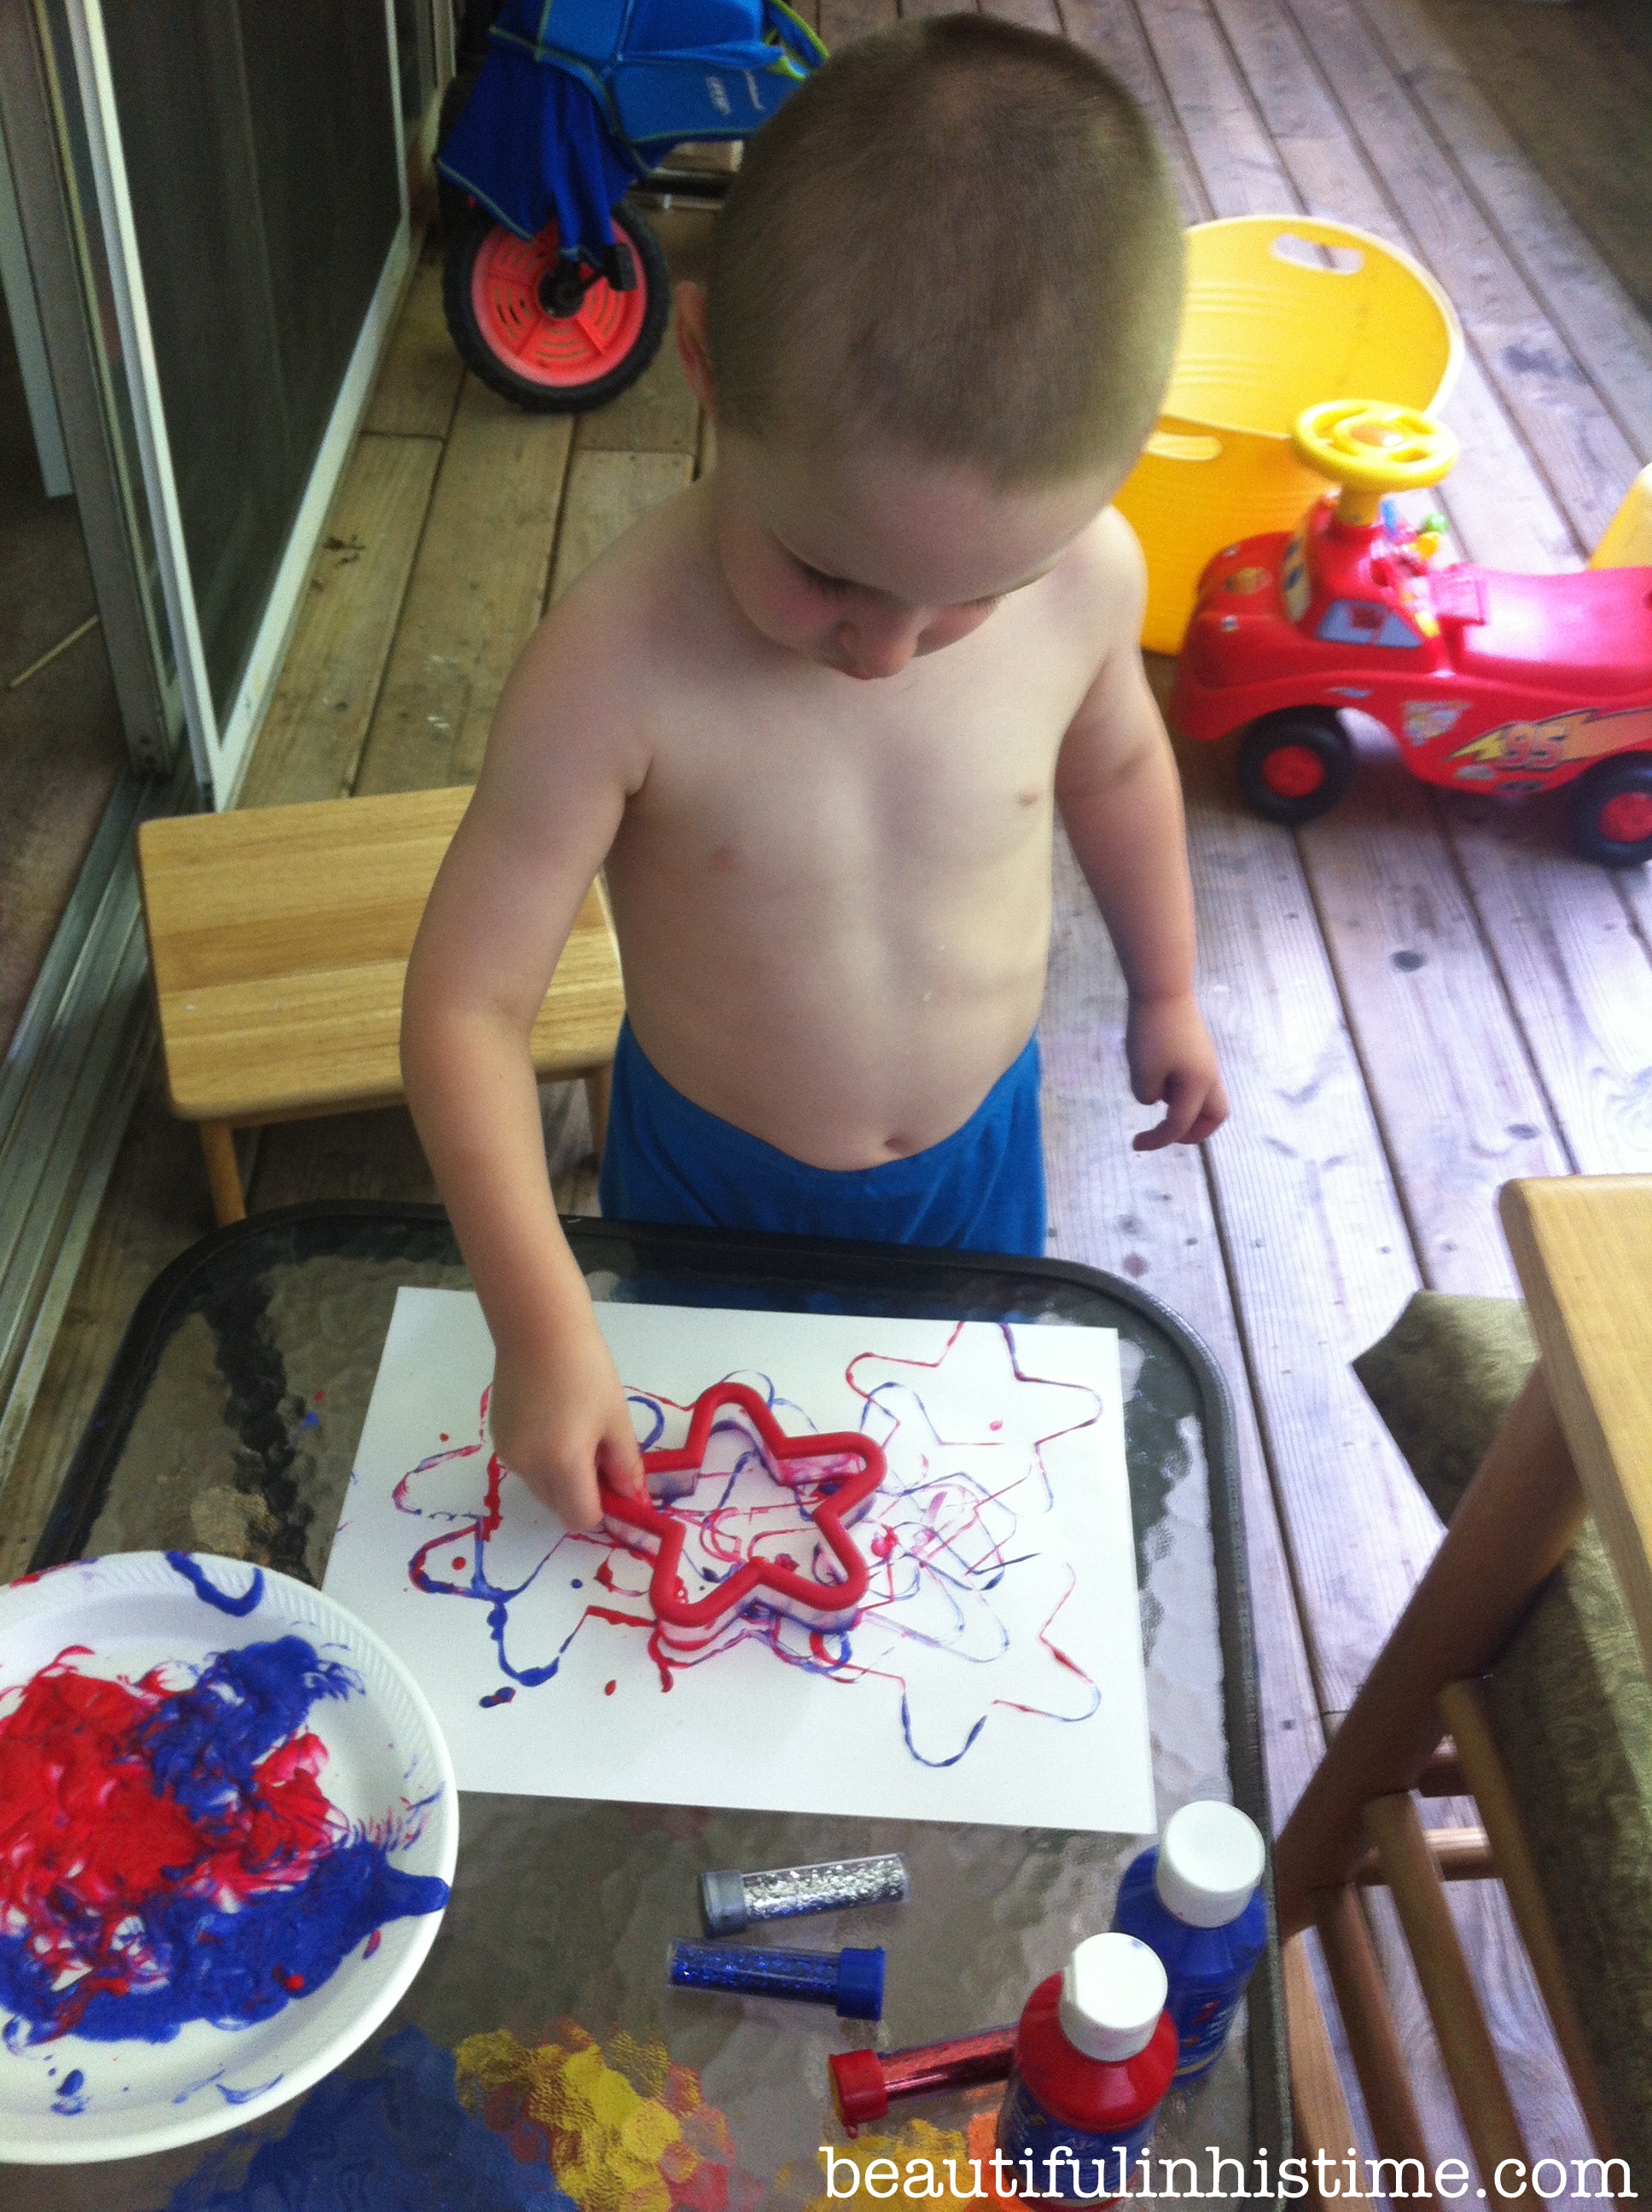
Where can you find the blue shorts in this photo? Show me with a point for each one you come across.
(982, 1189)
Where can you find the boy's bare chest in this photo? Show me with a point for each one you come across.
(939, 767)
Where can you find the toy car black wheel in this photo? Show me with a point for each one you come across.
(1610, 809)
(1294, 766)
(552, 337)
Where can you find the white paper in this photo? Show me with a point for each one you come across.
(994, 1673)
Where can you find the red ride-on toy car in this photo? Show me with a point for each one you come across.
(1488, 681)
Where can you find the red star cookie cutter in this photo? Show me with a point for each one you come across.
(642, 1523)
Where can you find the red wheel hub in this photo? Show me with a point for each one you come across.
(1293, 771)
(1627, 818)
(559, 351)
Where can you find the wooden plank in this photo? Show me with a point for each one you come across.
(280, 938)
(606, 493)
(1371, 863)
(345, 1156)
(1111, 30)
(1577, 971)
(1497, 500)
(1148, 1216)
(1444, 1061)
(476, 589)
(841, 21)
(1574, 88)
(1459, 1105)
(1312, 1230)
(1450, 1083)
(1584, 453)
(1309, 1222)
(1575, 976)
(1031, 15)
(379, 1156)
(1601, 322)
(657, 414)
(310, 744)
(685, 234)
(418, 383)
(1235, 155)
(1634, 887)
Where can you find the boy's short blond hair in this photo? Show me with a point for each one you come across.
(959, 239)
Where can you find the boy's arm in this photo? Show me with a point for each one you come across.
(1120, 800)
(552, 790)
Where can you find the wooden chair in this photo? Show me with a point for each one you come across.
(1577, 1440)
(279, 940)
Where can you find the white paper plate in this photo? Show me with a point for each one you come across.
(384, 1754)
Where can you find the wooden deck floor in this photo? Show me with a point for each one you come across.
(1415, 998)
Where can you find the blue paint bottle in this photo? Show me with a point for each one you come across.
(1197, 1901)
(1095, 2052)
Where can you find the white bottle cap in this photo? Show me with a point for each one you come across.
(1112, 1994)
(1210, 1861)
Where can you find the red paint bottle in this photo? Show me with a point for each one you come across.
(1094, 2053)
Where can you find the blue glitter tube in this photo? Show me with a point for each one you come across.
(850, 1980)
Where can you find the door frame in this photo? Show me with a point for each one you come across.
(219, 747)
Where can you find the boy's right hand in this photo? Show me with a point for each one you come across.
(560, 1420)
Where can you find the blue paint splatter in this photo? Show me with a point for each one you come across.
(240, 1606)
(396, 2139)
(71, 2100)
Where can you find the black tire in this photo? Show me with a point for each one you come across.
(472, 228)
(1315, 732)
(1589, 800)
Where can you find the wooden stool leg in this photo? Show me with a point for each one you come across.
(228, 1199)
(597, 1085)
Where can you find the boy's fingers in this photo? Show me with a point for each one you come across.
(1190, 1113)
(574, 1496)
(1211, 1120)
(619, 1464)
(570, 1493)
(1182, 1100)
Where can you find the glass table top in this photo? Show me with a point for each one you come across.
(541, 2032)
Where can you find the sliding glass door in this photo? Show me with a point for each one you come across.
(241, 165)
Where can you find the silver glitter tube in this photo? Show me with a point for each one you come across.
(731, 1901)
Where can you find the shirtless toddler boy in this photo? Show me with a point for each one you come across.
(817, 714)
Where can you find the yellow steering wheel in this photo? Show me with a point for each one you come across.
(1368, 447)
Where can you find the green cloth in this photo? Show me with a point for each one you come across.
(1569, 1704)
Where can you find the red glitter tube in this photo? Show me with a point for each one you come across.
(865, 2083)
